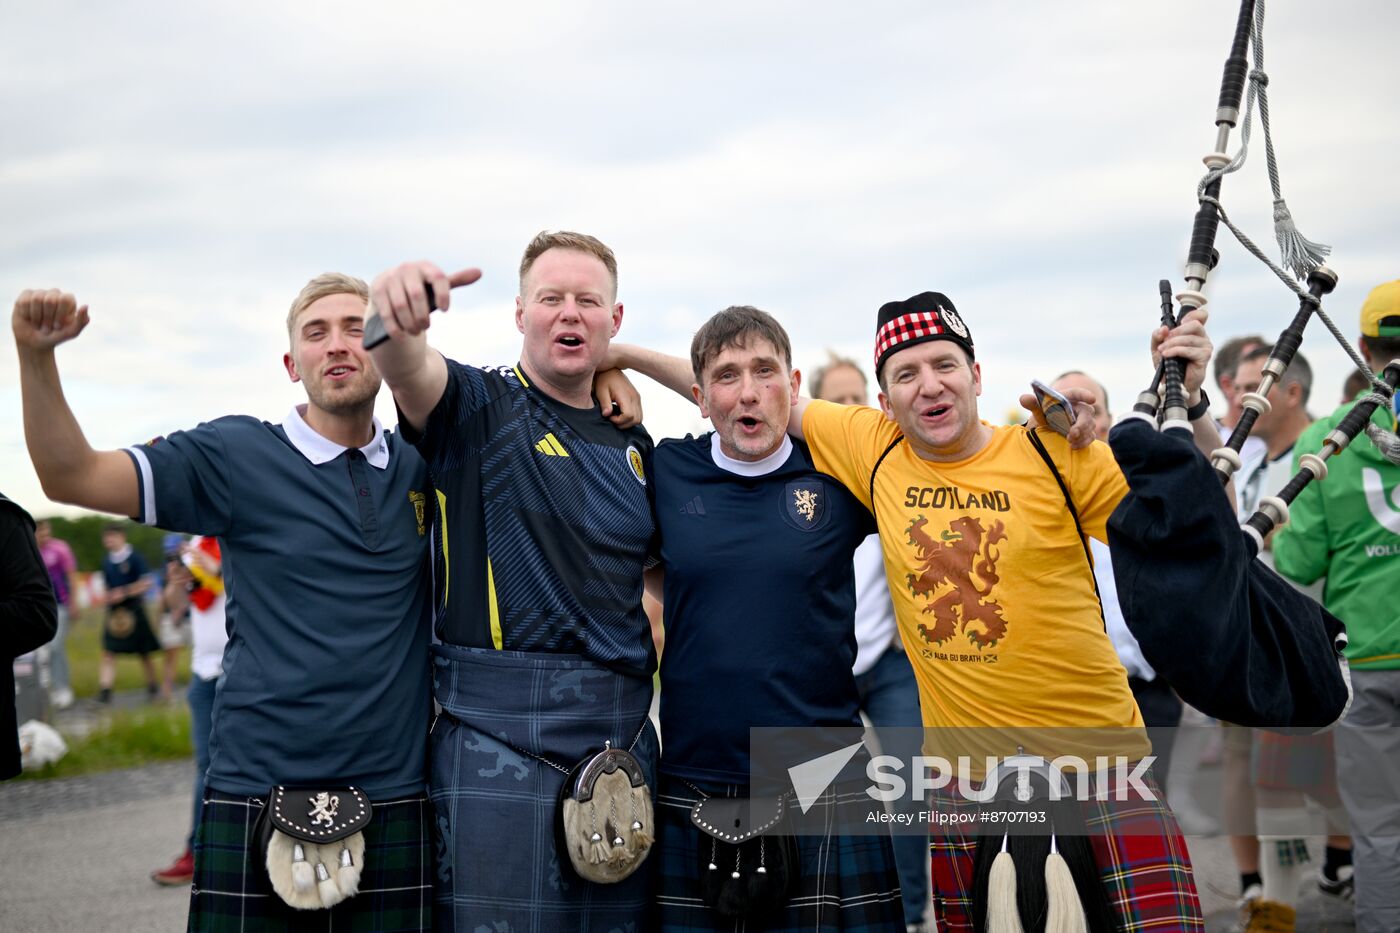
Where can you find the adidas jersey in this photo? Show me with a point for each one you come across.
(545, 521)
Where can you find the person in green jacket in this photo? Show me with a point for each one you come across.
(1347, 529)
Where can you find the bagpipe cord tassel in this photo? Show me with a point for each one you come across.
(1064, 911)
(1386, 441)
(1002, 914)
(1299, 254)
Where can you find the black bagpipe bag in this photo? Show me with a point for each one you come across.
(1233, 638)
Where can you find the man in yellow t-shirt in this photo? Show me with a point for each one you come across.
(992, 585)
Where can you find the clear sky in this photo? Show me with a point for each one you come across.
(185, 168)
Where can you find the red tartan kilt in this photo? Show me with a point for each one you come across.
(1141, 855)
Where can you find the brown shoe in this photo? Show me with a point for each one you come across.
(181, 872)
(1261, 916)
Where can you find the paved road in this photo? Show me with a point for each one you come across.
(77, 853)
(75, 856)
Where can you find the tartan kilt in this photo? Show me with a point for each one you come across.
(844, 883)
(231, 890)
(501, 865)
(1141, 856)
(1303, 763)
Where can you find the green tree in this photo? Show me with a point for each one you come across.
(84, 536)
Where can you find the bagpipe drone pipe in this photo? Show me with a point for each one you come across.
(1234, 639)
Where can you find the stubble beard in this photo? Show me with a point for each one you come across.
(344, 403)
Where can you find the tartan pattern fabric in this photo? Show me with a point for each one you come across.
(501, 866)
(231, 891)
(1141, 855)
(906, 327)
(845, 883)
(1304, 763)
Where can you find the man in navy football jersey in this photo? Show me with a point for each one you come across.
(546, 654)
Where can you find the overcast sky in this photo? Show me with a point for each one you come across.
(185, 168)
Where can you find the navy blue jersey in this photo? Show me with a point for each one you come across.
(131, 568)
(760, 605)
(325, 568)
(545, 522)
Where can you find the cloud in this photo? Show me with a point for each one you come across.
(186, 168)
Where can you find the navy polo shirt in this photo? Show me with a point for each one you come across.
(760, 602)
(325, 569)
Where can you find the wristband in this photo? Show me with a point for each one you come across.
(1200, 409)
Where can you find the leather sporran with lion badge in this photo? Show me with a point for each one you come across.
(313, 844)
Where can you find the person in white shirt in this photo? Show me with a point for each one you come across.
(889, 695)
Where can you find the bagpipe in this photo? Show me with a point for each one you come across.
(1232, 637)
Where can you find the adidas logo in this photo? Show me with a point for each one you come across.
(551, 447)
(694, 507)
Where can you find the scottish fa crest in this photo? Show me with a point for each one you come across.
(634, 460)
(804, 503)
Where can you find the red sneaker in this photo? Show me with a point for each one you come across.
(179, 872)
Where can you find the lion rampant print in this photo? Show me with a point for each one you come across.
(950, 559)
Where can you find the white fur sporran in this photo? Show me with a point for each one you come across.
(313, 844)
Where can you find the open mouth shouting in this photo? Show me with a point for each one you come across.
(748, 424)
(569, 341)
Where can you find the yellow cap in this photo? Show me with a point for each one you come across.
(1380, 312)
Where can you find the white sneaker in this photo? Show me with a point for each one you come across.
(62, 698)
(1343, 886)
(1250, 894)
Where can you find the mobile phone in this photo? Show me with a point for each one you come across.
(1054, 407)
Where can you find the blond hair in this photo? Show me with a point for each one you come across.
(323, 286)
(565, 239)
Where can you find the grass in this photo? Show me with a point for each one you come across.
(127, 739)
(84, 647)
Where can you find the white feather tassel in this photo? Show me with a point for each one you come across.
(303, 878)
(1064, 911)
(1002, 914)
(352, 858)
(325, 884)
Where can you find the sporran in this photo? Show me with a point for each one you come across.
(312, 842)
(746, 868)
(606, 816)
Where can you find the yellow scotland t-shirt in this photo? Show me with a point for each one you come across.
(991, 586)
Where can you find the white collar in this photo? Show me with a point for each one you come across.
(750, 467)
(120, 554)
(319, 450)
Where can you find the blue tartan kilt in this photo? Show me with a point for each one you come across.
(500, 862)
(231, 890)
(844, 883)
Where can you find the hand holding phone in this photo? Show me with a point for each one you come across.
(1057, 410)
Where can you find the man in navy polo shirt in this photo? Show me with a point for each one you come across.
(324, 529)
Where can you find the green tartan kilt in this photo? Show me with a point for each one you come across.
(231, 890)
